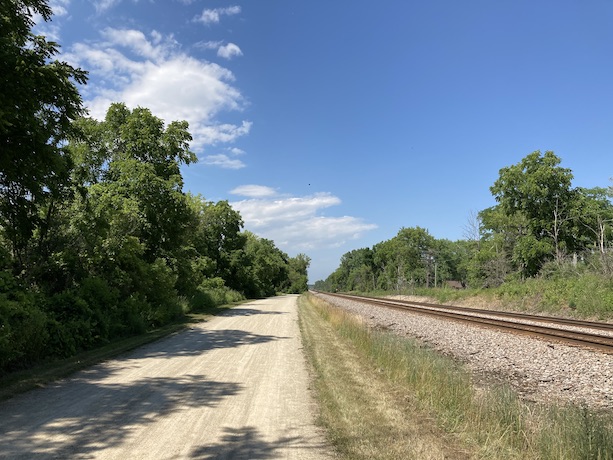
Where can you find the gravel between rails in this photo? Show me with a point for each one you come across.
(540, 371)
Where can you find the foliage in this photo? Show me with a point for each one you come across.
(540, 225)
(268, 267)
(109, 245)
(412, 258)
(39, 102)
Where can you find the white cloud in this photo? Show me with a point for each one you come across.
(51, 29)
(59, 7)
(214, 134)
(254, 191)
(209, 45)
(236, 151)
(150, 71)
(229, 51)
(104, 5)
(293, 222)
(223, 161)
(136, 41)
(213, 16)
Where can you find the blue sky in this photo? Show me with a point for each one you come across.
(332, 124)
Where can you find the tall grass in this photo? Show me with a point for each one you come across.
(585, 295)
(495, 421)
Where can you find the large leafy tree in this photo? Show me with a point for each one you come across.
(408, 258)
(593, 219)
(298, 274)
(538, 190)
(39, 102)
(131, 221)
(267, 267)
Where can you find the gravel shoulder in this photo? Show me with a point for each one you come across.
(232, 388)
(540, 371)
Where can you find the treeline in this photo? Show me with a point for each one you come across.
(540, 226)
(98, 240)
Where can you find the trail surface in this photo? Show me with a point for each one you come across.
(233, 388)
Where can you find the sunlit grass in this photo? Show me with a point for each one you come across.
(488, 422)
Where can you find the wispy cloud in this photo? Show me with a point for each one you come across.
(104, 5)
(223, 161)
(209, 45)
(59, 7)
(213, 16)
(152, 71)
(51, 30)
(295, 223)
(254, 191)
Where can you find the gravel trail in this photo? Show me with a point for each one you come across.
(232, 388)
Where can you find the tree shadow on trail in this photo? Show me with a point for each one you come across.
(247, 444)
(91, 411)
(86, 417)
(197, 341)
(237, 311)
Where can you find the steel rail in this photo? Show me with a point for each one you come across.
(593, 341)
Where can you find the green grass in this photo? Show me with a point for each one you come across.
(586, 296)
(492, 423)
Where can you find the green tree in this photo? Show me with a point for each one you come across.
(538, 189)
(131, 219)
(268, 267)
(298, 274)
(408, 259)
(593, 217)
(39, 102)
(355, 272)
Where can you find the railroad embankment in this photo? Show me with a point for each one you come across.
(383, 394)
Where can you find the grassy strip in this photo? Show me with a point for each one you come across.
(583, 296)
(43, 373)
(366, 415)
(356, 368)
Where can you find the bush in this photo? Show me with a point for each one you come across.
(211, 293)
(23, 333)
(72, 323)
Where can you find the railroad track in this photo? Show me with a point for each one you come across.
(507, 321)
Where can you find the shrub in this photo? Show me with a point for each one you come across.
(211, 293)
(23, 334)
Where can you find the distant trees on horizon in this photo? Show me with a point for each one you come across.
(539, 224)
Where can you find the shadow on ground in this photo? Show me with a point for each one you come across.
(88, 413)
(248, 444)
(196, 341)
(88, 417)
(237, 311)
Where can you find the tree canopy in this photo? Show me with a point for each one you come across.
(98, 239)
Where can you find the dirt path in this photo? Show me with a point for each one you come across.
(232, 388)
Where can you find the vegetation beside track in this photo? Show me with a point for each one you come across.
(384, 397)
(589, 296)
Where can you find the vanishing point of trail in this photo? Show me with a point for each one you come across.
(235, 387)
